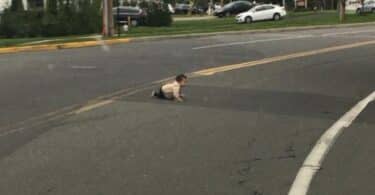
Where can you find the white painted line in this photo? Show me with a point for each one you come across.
(314, 160)
(250, 42)
(83, 67)
(290, 37)
(346, 33)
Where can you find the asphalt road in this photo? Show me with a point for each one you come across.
(245, 131)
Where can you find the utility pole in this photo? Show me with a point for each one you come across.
(108, 28)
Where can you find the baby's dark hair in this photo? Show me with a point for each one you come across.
(180, 77)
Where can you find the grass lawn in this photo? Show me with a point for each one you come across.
(228, 24)
(214, 25)
(17, 41)
(41, 40)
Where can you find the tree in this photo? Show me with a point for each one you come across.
(342, 4)
(17, 5)
(52, 6)
(192, 4)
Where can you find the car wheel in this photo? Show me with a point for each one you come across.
(276, 17)
(227, 14)
(248, 20)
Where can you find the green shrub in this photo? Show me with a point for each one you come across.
(16, 6)
(21, 24)
(55, 21)
(157, 15)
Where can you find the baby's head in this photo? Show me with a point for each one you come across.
(181, 79)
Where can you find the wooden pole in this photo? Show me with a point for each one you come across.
(108, 27)
(129, 22)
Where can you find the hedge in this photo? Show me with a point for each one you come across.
(66, 20)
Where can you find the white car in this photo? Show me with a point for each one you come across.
(368, 7)
(261, 12)
(356, 6)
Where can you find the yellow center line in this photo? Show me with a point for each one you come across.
(108, 99)
(92, 106)
(211, 71)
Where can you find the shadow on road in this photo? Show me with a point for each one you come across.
(274, 102)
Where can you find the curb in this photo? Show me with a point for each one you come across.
(49, 47)
(70, 45)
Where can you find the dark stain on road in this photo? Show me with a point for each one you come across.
(299, 104)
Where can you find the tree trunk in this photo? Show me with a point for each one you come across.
(342, 10)
(191, 3)
(111, 27)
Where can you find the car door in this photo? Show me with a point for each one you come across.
(268, 12)
(235, 8)
(258, 13)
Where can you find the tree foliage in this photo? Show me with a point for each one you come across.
(58, 19)
(16, 6)
(157, 15)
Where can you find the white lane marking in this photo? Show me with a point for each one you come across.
(346, 33)
(314, 160)
(83, 67)
(290, 37)
(250, 42)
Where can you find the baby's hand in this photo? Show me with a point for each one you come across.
(179, 99)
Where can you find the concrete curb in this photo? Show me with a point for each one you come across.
(70, 45)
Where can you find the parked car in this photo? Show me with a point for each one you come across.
(367, 7)
(233, 8)
(136, 15)
(262, 12)
(183, 8)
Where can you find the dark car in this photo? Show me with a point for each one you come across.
(233, 8)
(136, 15)
(183, 8)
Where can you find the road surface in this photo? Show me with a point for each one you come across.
(244, 129)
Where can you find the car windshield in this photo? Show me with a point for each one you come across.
(254, 8)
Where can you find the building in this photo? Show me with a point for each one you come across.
(4, 4)
(27, 4)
